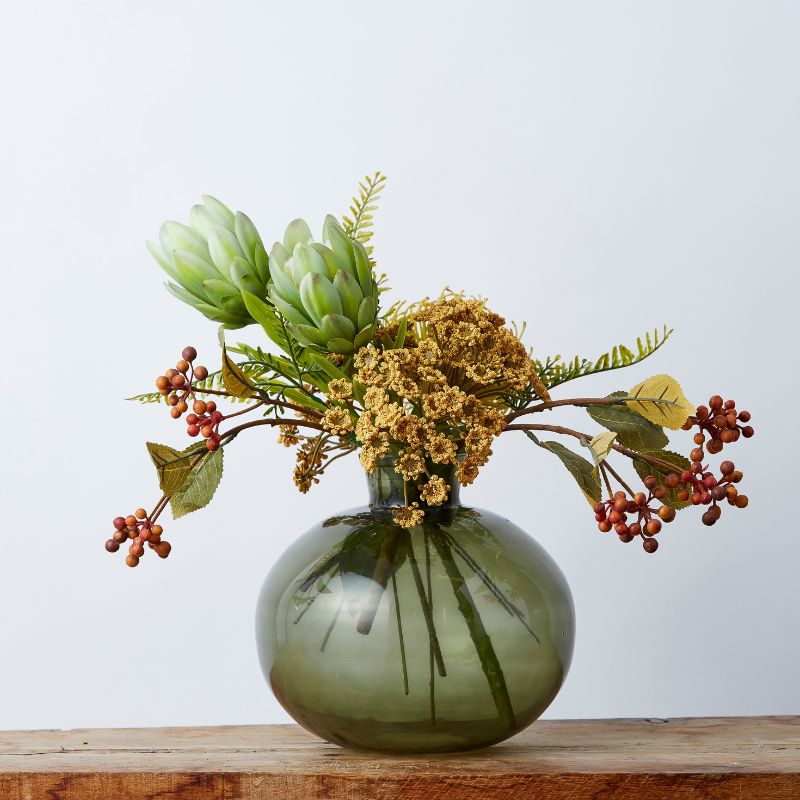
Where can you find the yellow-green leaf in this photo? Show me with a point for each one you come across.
(199, 486)
(600, 445)
(234, 380)
(173, 466)
(660, 400)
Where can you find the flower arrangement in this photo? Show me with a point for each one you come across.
(430, 384)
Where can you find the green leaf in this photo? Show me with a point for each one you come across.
(234, 380)
(328, 367)
(173, 466)
(580, 469)
(402, 329)
(198, 489)
(661, 400)
(633, 430)
(681, 463)
(266, 317)
(600, 445)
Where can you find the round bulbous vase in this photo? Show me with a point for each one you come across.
(451, 635)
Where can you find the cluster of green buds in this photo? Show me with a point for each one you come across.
(326, 291)
(212, 260)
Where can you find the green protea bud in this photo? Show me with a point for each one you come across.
(213, 260)
(326, 292)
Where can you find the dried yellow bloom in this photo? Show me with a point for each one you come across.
(375, 397)
(411, 464)
(466, 472)
(337, 421)
(441, 449)
(289, 435)
(340, 389)
(388, 415)
(411, 430)
(409, 516)
(435, 491)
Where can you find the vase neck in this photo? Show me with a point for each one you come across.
(387, 489)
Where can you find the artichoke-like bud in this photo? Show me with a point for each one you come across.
(213, 260)
(326, 291)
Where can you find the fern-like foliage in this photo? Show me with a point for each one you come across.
(554, 370)
(358, 223)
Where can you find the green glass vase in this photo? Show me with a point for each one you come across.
(448, 636)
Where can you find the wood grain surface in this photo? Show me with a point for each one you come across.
(750, 758)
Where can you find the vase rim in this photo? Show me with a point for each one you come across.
(388, 489)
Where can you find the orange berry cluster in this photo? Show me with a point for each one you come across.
(719, 424)
(614, 513)
(701, 487)
(176, 383)
(139, 528)
(205, 421)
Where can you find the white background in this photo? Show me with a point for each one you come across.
(596, 169)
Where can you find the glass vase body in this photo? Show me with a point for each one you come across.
(451, 635)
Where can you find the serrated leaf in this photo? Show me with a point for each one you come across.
(681, 463)
(600, 445)
(633, 430)
(234, 380)
(662, 401)
(198, 489)
(582, 470)
(173, 466)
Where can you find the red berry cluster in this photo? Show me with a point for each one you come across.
(700, 487)
(139, 528)
(176, 383)
(205, 421)
(719, 424)
(613, 513)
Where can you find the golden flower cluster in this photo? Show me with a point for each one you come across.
(438, 400)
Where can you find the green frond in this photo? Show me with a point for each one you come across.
(358, 223)
(554, 370)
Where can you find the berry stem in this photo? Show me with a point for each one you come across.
(245, 410)
(619, 479)
(605, 478)
(580, 402)
(265, 399)
(656, 462)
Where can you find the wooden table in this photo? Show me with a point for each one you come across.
(743, 758)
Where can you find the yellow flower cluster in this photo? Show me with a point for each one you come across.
(438, 400)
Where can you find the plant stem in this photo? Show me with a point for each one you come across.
(426, 609)
(656, 462)
(400, 633)
(320, 571)
(512, 609)
(270, 421)
(265, 399)
(384, 568)
(315, 596)
(582, 402)
(331, 626)
(617, 476)
(480, 638)
(429, 586)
